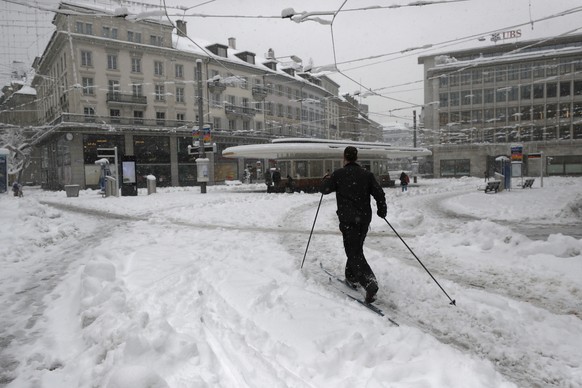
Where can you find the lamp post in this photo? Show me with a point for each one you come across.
(201, 150)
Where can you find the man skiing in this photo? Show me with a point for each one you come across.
(353, 186)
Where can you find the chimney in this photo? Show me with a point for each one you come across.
(232, 43)
(181, 28)
(271, 54)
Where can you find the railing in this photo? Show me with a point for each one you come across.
(242, 111)
(259, 92)
(120, 120)
(126, 98)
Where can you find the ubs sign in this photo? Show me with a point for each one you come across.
(497, 36)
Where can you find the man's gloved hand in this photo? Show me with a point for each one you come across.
(381, 213)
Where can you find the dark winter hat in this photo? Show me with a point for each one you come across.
(351, 154)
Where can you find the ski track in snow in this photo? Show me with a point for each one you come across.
(481, 324)
(485, 299)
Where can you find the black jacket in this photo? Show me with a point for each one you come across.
(353, 186)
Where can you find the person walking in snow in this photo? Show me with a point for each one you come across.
(17, 189)
(404, 181)
(353, 186)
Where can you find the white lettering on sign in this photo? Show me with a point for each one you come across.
(513, 34)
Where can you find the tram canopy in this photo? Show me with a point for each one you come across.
(298, 148)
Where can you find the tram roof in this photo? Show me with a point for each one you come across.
(298, 148)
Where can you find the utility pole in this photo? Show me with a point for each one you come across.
(414, 160)
(202, 153)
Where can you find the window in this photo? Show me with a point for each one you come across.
(106, 32)
(115, 115)
(551, 90)
(161, 118)
(539, 70)
(156, 40)
(180, 117)
(489, 96)
(454, 98)
(179, 94)
(88, 87)
(179, 71)
(84, 28)
(89, 113)
(513, 93)
(477, 97)
(279, 90)
(488, 75)
(138, 117)
(455, 167)
(136, 65)
(111, 62)
(501, 74)
(477, 76)
(513, 72)
(538, 91)
(137, 90)
(526, 71)
(565, 88)
(217, 123)
(232, 125)
(577, 88)
(160, 93)
(86, 58)
(526, 92)
(466, 97)
(158, 68)
(113, 87)
(134, 36)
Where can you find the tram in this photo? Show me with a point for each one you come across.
(301, 163)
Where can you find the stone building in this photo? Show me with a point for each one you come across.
(108, 79)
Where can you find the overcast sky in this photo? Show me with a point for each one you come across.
(355, 35)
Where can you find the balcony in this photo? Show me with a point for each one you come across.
(126, 99)
(235, 112)
(216, 86)
(259, 92)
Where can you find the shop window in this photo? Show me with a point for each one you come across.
(565, 88)
(455, 168)
(152, 149)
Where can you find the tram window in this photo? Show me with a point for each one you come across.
(316, 168)
(301, 168)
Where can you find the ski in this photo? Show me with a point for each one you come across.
(360, 300)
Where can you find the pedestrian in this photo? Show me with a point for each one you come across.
(353, 186)
(268, 178)
(17, 189)
(486, 175)
(290, 184)
(404, 181)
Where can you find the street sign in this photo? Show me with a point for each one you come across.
(206, 129)
(195, 149)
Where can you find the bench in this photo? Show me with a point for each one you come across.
(528, 183)
(492, 186)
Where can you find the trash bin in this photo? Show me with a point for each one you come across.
(110, 186)
(72, 190)
(151, 184)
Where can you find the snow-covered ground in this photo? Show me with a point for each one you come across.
(180, 289)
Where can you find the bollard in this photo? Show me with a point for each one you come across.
(151, 181)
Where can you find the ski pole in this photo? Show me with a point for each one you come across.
(453, 302)
(315, 219)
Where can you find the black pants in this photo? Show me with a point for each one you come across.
(357, 268)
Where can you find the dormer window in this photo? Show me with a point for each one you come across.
(219, 50)
(247, 56)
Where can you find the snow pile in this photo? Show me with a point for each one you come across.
(188, 290)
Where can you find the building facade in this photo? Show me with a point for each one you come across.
(527, 93)
(105, 80)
